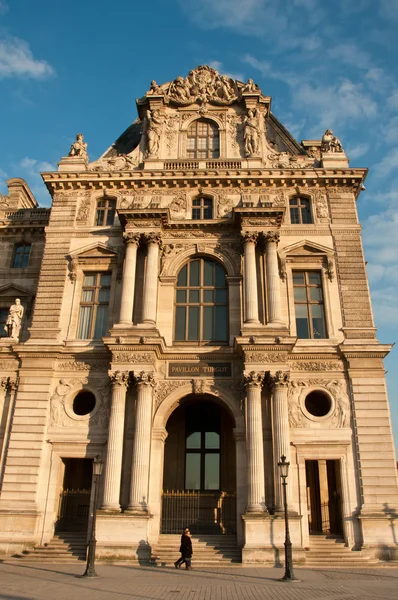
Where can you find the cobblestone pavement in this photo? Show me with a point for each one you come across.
(61, 582)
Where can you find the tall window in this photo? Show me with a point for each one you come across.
(203, 140)
(93, 317)
(106, 209)
(308, 303)
(202, 208)
(202, 447)
(21, 256)
(3, 319)
(300, 211)
(201, 302)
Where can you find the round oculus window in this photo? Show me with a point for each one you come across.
(318, 404)
(83, 403)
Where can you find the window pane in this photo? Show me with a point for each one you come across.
(306, 214)
(221, 296)
(300, 293)
(196, 202)
(212, 440)
(302, 322)
(208, 278)
(193, 323)
(180, 322)
(196, 214)
(87, 295)
(318, 321)
(192, 471)
(99, 220)
(182, 277)
(105, 279)
(83, 332)
(220, 276)
(221, 323)
(315, 293)
(208, 296)
(89, 280)
(103, 295)
(110, 219)
(101, 321)
(298, 278)
(181, 296)
(294, 216)
(212, 471)
(194, 273)
(208, 325)
(314, 278)
(194, 296)
(208, 212)
(193, 440)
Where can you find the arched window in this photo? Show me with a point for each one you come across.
(300, 211)
(201, 303)
(202, 208)
(21, 256)
(106, 209)
(203, 140)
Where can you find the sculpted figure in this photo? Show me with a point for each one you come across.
(330, 143)
(14, 320)
(250, 86)
(155, 88)
(79, 147)
(251, 132)
(154, 131)
(224, 89)
(181, 90)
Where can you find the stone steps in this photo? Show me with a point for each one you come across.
(329, 551)
(62, 548)
(217, 550)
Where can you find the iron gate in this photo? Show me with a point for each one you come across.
(73, 510)
(203, 512)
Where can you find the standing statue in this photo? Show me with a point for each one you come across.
(79, 147)
(330, 143)
(14, 320)
(155, 121)
(251, 132)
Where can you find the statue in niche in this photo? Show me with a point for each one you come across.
(155, 122)
(251, 132)
(14, 320)
(330, 143)
(79, 147)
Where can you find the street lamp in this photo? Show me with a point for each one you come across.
(97, 471)
(283, 465)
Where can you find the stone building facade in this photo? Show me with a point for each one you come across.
(196, 306)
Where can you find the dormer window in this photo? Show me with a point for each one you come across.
(203, 140)
(300, 211)
(202, 208)
(105, 214)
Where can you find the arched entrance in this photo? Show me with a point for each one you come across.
(199, 475)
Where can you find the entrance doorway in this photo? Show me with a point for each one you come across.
(199, 480)
(74, 499)
(324, 497)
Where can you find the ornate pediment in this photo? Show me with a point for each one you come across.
(98, 254)
(308, 252)
(12, 290)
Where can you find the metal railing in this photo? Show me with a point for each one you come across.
(73, 510)
(203, 512)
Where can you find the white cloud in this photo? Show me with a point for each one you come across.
(357, 151)
(350, 54)
(17, 60)
(388, 164)
(218, 66)
(34, 166)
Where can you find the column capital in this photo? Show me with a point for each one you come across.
(3, 383)
(254, 379)
(249, 237)
(280, 379)
(131, 237)
(119, 378)
(143, 378)
(153, 237)
(271, 236)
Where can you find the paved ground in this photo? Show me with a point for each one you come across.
(61, 582)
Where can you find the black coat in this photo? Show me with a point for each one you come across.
(186, 546)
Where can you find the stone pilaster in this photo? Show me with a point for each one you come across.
(114, 456)
(255, 445)
(249, 240)
(273, 283)
(281, 436)
(153, 241)
(142, 443)
(131, 240)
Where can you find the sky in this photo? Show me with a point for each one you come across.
(78, 66)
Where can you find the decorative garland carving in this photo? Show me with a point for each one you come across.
(164, 389)
(134, 357)
(339, 417)
(83, 212)
(317, 366)
(265, 357)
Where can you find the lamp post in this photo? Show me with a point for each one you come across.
(283, 465)
(97, 471)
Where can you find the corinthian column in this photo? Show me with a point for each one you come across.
(281, 436)
(273, 285)
(255, 445)
(250, 277)
(127, 302)
(153, 241)
(114, 455)
(142, 443)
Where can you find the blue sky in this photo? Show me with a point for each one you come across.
(77, 66)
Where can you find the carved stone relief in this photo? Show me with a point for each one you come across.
(83, 212)
(339, 415)
(134, 357)
(316, 365)
(265, 357)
